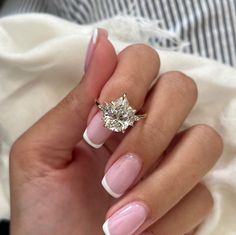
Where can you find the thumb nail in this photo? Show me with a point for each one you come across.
(97, 33)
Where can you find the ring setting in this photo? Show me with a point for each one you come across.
(118, 115)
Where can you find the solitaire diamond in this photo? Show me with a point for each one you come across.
(118, 115)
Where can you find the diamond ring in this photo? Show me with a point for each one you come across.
(118, 115)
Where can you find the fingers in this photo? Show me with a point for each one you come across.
(186, 215)
(182, 168)
(138, 66)
(63, 126)
(168, 104)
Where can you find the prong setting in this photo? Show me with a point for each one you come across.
(118, 115)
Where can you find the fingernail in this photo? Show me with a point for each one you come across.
(96, 134)
(127, 220)
(147, 233)
(121, 175)
(92, 45)
(90, 49)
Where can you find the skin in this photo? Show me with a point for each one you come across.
(55, 176)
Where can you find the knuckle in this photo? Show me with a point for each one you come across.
(124, 85)
(14, 148)
(18, 152)
(71, 100)
(124, 82)
(183, 85)
(207, 197)
(208, 135)
(144, 50)
(20, 145)
(147, 55)
(72, 104)
(155, 132)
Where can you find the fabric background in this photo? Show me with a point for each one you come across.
(208, 27)
(41, 59)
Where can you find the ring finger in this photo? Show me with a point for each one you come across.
(138, 66)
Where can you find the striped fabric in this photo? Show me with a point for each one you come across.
(22, 6)
(208, 25)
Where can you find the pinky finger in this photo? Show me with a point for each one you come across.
(186, 215)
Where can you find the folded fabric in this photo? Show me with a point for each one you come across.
(41, 60)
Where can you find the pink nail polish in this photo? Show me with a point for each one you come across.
(90, 50)
(121, 175)
(127, 220)
(96, 134)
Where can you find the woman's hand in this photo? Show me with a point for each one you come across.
(56, 175)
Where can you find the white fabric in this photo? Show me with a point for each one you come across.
(41, 60)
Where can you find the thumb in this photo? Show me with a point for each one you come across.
(63, 126)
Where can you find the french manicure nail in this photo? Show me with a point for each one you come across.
(121, 175)
(90, 49)
(127, 220)
(92, 45)
(96, 134)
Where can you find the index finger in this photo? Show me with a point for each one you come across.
(63, 126)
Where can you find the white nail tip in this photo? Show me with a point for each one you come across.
(86, 138)
(105, 228)
(108, 189)
(95, 35)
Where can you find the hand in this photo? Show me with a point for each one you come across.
(55, 175)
